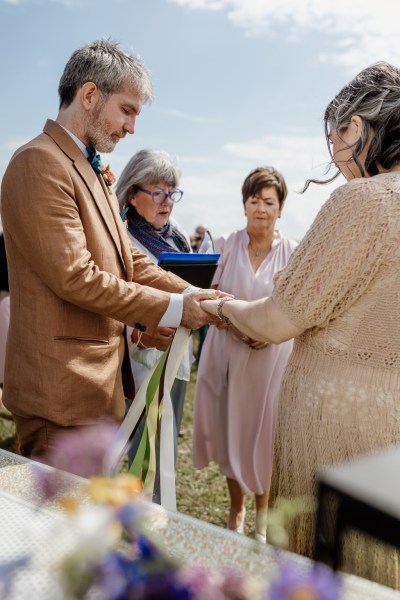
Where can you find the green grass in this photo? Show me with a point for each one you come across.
(7, 431)
(200, 493)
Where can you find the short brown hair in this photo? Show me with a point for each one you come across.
(262, 177)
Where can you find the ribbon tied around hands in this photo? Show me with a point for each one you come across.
(154, 397)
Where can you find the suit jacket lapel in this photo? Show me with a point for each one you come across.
(96, 187)
(124, 243)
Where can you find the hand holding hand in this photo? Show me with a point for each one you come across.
(193, 315)
(210, 306)
(256, 345)
(240, 336)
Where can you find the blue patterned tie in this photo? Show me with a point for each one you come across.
(94, 159)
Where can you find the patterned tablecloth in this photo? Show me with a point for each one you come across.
(45, 531)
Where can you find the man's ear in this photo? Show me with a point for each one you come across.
(90, 95)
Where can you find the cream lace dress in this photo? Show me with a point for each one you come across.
(340, 394)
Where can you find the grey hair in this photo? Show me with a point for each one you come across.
(106, 65)
(146, 167)
(373, 95)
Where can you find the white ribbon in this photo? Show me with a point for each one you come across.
(167, 450)
(167, 459)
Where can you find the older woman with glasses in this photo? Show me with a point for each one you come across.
(147, 191)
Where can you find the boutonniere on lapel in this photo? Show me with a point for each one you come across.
(108, 177)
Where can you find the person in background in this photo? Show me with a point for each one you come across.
(197, 237)
(339, 297)
(238, 378)
(147, 191)
(75, 280)
(201, 241)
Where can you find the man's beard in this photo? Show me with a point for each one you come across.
(96, 131)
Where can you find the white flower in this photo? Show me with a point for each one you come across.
(96, 532)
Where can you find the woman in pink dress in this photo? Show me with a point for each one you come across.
(239, 378)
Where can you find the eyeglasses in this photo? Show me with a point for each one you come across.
(159, 196)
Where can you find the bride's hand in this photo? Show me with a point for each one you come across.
(256, 345)
(210, 306)
(239, 335)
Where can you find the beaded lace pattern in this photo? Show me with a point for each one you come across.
(340, 394)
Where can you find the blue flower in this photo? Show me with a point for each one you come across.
(110, 579)
(7, 573)
(294, 583)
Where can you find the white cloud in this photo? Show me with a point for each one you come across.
(203, 4)
(214, 197)
(66, 3)
(298, 154)
(362, 31)
(184, 116)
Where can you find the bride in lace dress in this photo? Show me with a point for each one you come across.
(339, 297)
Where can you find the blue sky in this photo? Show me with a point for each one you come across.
(238, 84)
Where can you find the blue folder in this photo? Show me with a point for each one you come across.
(196, 269)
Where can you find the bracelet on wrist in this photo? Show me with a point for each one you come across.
(139, 342)
(222, 317)
(138, 345)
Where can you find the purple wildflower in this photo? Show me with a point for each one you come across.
(150, 575)
(225, 585)
(110, 579)
(50, 483)
(233, 584)
(317, 583)
(131, 516)
(81, 451)
(7, 573)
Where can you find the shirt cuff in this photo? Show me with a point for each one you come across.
(173, 315)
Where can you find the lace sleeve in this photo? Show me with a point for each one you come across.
(337, 259)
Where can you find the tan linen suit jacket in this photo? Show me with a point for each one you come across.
(74, 281)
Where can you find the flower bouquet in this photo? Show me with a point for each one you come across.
(117, 552)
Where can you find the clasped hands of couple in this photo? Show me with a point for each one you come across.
(211, 302)
(199, 308)
(194, 315)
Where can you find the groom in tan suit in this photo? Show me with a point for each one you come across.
(75, 281)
